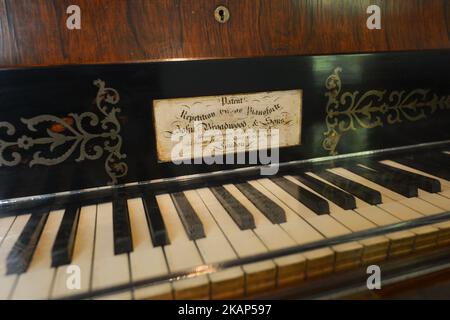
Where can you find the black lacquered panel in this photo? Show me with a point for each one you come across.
(45, 114)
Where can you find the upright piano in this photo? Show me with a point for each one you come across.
(96, 204)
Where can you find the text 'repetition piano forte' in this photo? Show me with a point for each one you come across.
(201, 120)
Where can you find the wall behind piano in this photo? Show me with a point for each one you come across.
(33, 32)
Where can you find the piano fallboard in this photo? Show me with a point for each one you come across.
(350, 103)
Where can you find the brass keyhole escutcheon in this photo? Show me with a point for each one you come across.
(222, 14)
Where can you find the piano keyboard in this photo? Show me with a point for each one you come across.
(133, 239)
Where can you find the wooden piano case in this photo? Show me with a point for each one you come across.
(77, 122)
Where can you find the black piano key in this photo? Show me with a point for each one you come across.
(425, 166)
(65, 238)
(439, 162)
(20, 256)
(190, 220)
(235, 209)
(441, 168)
(158, 231)
(309, 199)
(123, 242)
(385, 179)
(438, 158)
(360, 191)
(339, 197)
(425, 183)
(270, 209)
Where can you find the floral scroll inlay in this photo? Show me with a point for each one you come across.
(88, 136)
(374, 108)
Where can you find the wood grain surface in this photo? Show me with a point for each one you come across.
(34, 33)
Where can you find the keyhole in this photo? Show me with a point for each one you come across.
(221, 14)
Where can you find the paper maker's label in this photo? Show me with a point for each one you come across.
(266, 110)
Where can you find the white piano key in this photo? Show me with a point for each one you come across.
(377, 215)
(146, 261)
(81, 257)
(36, 282)
(347, 254)
(319, 261)
(6, 286)
(259, 276)
(443, 238)
(395, 211)
(422, 206)
(7, 282)
(400, 211)
(375, 248)
(5, 225)
(181, 253)
(300, 230)
(325, 224)
(437, 200)
(10, 239)
(401, 242)
(290, 268)
(426, 237)
(403, 210)
(108, 269)
(215, 248)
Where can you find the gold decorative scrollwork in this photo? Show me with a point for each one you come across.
(101, 137)
(374, 108)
